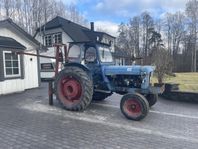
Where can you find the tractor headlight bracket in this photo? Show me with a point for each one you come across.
(143, 76)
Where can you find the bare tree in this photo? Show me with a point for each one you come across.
(1, 5)
(8, 7)
(178, 31)
(31, 14)
(175, 30)
(147, 27)
(167, 28)
(122, 40)
(192, 12)
(134, 35)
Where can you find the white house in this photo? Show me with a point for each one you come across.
(62, 31)
(17, 72)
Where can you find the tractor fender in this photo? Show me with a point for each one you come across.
(83, 67)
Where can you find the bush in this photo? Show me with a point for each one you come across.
(162, 60)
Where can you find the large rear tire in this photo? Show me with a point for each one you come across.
(134, 106)
(98, 96)
(74, 88)
(152, 99)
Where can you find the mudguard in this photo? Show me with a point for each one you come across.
(83, 67)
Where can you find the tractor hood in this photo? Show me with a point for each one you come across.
(128, 70)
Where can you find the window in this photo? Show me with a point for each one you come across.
(53, 39)
(105, 40)
(11, 64)
(74, 53)
(90, 55)
(105, 54)
(58, 38)
(48, 40)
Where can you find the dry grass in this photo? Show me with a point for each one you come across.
(186, 81)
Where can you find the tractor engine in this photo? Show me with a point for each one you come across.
(129, 81)
(128, 76)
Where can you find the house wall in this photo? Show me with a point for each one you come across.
(51, 52)
(65, 38)
(30, 67)
(106, 39)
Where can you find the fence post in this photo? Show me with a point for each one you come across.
(50, 92)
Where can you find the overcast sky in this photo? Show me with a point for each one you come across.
(109, 13)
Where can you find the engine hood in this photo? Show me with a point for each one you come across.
(128, 70)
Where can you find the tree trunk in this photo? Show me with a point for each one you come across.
(160, 80)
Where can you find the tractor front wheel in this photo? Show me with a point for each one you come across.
(134, 106)
(74, 88)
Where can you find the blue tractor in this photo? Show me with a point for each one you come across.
(90, 74)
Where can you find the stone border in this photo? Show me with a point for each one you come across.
(172, 93)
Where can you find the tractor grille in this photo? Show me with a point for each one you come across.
(129, 81)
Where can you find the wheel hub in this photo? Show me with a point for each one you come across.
(132, 107)
(71, 89)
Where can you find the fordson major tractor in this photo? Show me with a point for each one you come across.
(89, 74)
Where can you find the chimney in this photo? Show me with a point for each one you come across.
(92, 26)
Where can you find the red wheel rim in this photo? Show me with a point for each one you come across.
(133, 108)
(70, 90)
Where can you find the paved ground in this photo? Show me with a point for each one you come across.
(27, 121)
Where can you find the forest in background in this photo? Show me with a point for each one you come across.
(169, 42)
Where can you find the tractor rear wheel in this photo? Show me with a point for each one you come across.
(98, 96)
(152, 99)
(74, 88)
(134, 106)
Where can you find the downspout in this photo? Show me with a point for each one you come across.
(38, 65)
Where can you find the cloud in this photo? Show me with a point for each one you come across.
(105, 12)
(107, 26)
(76, 2)
(126, 8)
(71, 2)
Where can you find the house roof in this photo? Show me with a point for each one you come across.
(77, 32)
(9, 21)
(6, 42)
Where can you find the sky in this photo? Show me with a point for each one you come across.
(108, 14)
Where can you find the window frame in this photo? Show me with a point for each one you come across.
(93, 50)
(100, 48)
(76, 57)
(47, 43)
(54, 38)
(4, 65)
(56, 41)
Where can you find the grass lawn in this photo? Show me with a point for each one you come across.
(186, 81)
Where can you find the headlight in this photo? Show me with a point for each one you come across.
(143, 75)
